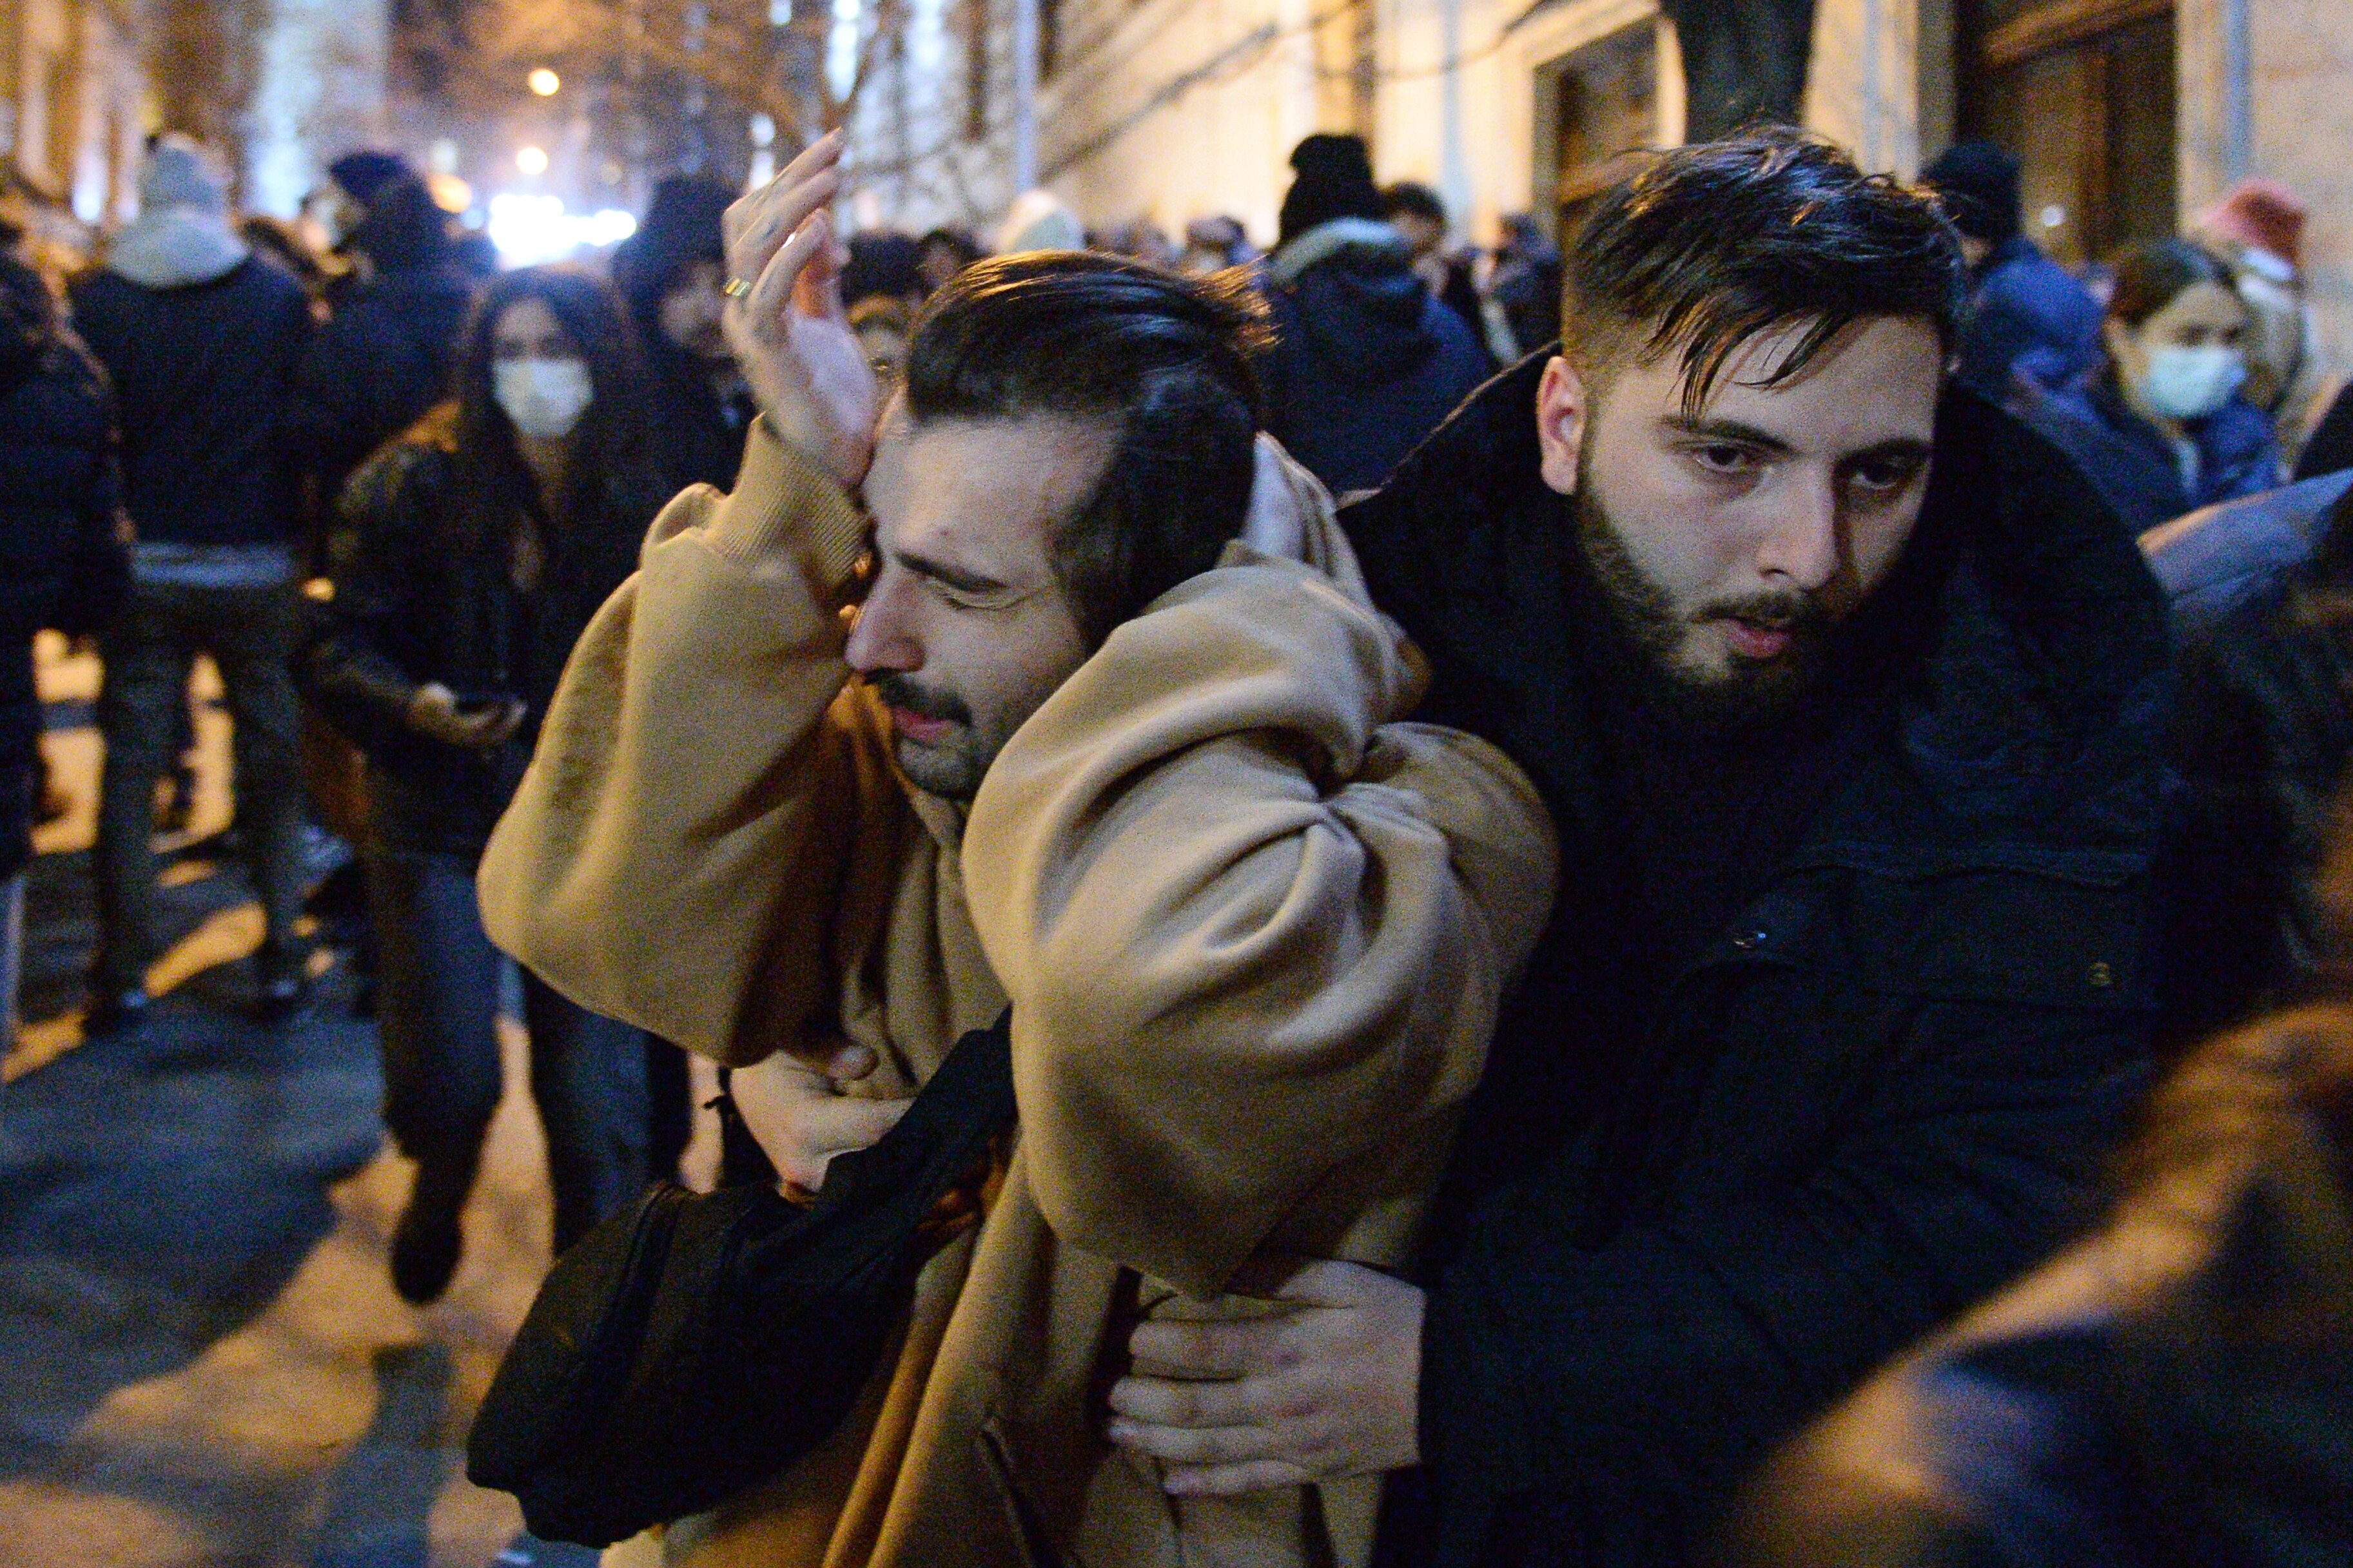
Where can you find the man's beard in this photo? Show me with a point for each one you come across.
(953, 768)
(1752, 692)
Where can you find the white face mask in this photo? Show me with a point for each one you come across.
(544, 397)
(2191, 383)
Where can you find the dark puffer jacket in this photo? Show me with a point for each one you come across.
(412, 605)
(204, 377)
(384, 360)
(62, 560)
(1880, 1091)
(2176, 1390)
(1366, 362)
(2134, 465)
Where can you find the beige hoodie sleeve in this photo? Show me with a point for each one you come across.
(1251, 927)
(672, 856)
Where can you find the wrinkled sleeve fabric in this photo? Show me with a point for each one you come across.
(1619, 1393)
(671, 857)
(1251, 927)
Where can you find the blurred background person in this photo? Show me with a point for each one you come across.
(673, 273)
(944, 253)
(1139, 239)
(62, 560)
(1521, 304)
(2031, 324)
(477, 547)
(2163, 427)
(883, 263)
(1036, 221)
(885, 327)
(1415, 212)
(2174, 1391)
(384, 358)
(2257, 230)
(201, 339)
(1215, 243)
(1366, 360)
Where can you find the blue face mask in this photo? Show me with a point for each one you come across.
(2183, 383)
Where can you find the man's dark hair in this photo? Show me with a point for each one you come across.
(1701, 249)
(2149, 277)
(1414, 201)
(1169, 359)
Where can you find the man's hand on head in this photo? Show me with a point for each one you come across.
(785, 318)
(1329, 1390)
(795, 1108)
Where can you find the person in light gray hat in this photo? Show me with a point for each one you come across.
(201, 339)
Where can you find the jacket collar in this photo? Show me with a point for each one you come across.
(1350, 238)
(2029, 710)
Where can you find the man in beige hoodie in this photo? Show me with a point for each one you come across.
(1103, 739)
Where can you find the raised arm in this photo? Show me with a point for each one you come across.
(1250, 929)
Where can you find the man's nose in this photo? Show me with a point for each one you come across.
(1802, 548)
(881, 639)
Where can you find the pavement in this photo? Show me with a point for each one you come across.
(205, 1361)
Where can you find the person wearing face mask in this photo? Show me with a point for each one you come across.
(2257, 230)
(2164, 427)
(473, 552)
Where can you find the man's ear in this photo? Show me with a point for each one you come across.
(1563, 405)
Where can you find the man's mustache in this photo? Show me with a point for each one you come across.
(1778, 612)
(900, 692)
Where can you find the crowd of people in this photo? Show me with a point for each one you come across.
(1642, 889)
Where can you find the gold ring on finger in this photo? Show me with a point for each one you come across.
(736, 288)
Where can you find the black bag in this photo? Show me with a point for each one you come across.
(695, 1346)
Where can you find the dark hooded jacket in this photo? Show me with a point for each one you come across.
(1366, 362)
(203, 364)
(384, 359)
(702, 433)
(2028, 317)
(1673, 1233)
(62, 562)
(2176, 1390)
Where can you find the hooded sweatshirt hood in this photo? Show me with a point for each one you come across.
(1361, 304)
(181, 234)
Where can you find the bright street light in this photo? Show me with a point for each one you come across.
(532, 160)
(546, 82)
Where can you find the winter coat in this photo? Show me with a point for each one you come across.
(378, 366)
(2137, 469)
(2175, 1391)
(1366, 361)
(1251, 927)
(700, 437)
(1879, 1093)
(411, 606)
(203, 363)
(62, 562)
(2330, 448)
(2027, 317)
(2262, 595)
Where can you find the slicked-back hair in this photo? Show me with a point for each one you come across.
(1700, 249)
(1168, 360)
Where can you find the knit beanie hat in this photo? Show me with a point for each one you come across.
(363, 174)
(1335, 181)
(1978, 185)
(2259, 214)
(181, 174)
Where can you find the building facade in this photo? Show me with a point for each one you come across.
(73, 114)
(2129, 115)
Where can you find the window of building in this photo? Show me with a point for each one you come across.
(2083, 92)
